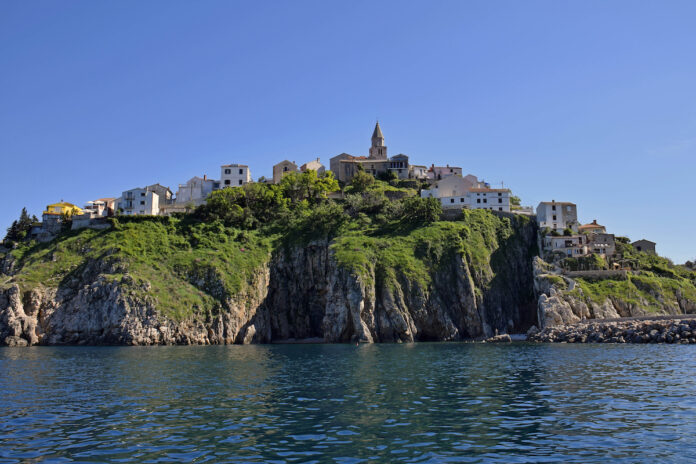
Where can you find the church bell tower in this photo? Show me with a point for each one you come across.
(378, 150)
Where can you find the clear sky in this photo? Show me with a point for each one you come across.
(586, 101)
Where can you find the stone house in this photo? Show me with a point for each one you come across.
(557, 215)
(602, 244)
(234, 175)
(282, 169)
(313, 166)
(645, 246)
(440, 172)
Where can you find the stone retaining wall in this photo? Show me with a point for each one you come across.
(680, 331)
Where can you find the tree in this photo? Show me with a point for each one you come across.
(20, 228)
(298, 186)
(515, 200)
(361, 181)
(422, 210)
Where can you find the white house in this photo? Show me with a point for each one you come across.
(138, 202)
(557, 215)
(196, 190)
(234, 175)
(144, 201)
(452, 186)
(313, 166)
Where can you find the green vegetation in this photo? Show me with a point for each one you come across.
(20, 228)
(188, 265)
(644, 289)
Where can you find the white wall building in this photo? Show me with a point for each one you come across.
(557, 215)
(234, 175)
(196, 190)
(138, 202)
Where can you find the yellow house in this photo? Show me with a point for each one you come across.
(63, 207)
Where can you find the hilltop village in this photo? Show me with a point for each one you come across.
(561, 234)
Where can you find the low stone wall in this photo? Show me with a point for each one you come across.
(680, 331)
(598, 275)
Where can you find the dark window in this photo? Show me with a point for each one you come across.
(142, 202)
(142, 194)
(500, 194)
(485, 200)
(553, 208)
(227, 182)
(461, 200)
(500, 209)
(500, 200)
(241, 171)
(478, 200)
(554, 217)
(228, 171)
(240, 181)
(451, 200)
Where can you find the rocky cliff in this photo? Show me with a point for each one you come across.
(566, 300)
(448, 281)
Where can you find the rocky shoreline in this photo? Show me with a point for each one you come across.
(676, 331)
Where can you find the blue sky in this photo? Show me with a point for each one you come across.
(592, 102)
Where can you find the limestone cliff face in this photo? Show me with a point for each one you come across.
(301, 293)
(561, 302)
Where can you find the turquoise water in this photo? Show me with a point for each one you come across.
(344, 404)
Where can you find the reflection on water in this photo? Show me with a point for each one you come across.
(341, 403)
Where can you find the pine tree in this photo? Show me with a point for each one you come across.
(20, 228)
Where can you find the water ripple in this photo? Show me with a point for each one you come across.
(418, 403)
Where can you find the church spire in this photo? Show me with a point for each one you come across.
(378, 149)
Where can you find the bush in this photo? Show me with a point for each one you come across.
(361, 181)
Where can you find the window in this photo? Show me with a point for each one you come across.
(228, 171)
(241, 171)
(500, 200)
(553, 207)
(240, 181)
(500, 194)
(142, 202)
(500, 209)
(227, 182)
(478, 200)
(285, 168)
(142, 194)
(461, 200)
(485, 200)
(451, 200)
(554, 217)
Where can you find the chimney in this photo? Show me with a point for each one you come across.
(317, 160)
(594, 222)
(205, 177)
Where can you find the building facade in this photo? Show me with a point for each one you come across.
(557, 216)
(345, 166)
(313, 166)
(234, 175)
(645, 246)
(282, 169)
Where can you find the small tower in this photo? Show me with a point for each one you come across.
(378, 149)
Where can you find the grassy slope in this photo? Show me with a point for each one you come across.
(161, 252)
(656, 279)
(417, 252)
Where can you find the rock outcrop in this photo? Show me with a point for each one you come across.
(561, 302)
(681, 331)
(300, 293)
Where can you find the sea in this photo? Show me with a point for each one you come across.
(381, 403)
